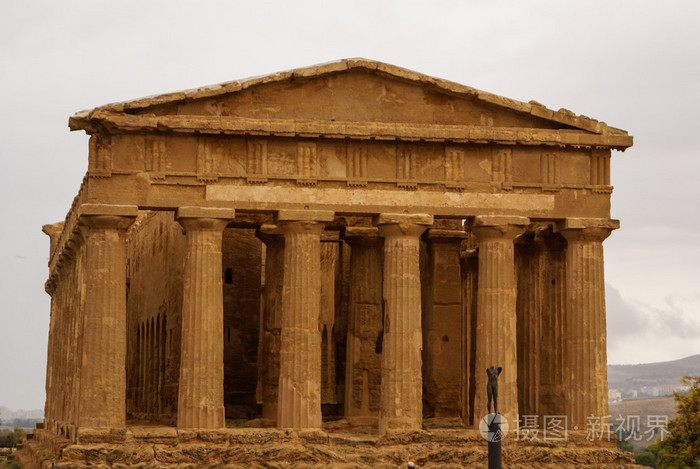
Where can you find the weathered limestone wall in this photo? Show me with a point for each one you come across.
(443, 357)
(156, 263)
(241, 263)
(154, 306)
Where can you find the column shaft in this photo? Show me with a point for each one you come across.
(529, 268)
(271, 321)
(103, 356)
(201, 387)
(401, 404)
(586, 358)
(551, 373)
(299, 401)
(496, 337)
(469, 263)
(363, 359)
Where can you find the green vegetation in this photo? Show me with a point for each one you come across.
(10, 438)
(681, 448)
(10, 465)
(648, 457)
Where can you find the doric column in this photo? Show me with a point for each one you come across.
(103, 357)
(272, 318)
(552, 247)
(401, 404)
(529, 259)
(363, 373)
(201, 388)
(299, 401)
(585, 353)
(496, 339)
(469, 264)
(442, 322)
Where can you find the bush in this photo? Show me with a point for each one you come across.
(10, 439)
(681, 448)
(646, 458)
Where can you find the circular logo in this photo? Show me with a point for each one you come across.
(493, 427)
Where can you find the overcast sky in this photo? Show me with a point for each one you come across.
(634, 65)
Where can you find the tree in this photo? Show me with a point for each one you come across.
(681, 449)
(648, 457)
(10, 439)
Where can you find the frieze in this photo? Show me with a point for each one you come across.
(307, 163)
(100, 157)
(156, 154)
(209, 151)
(256, 161)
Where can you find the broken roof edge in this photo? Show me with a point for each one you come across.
(81, 120)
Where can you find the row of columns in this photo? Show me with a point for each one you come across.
(295, 332)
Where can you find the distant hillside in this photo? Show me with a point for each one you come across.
(627, 377)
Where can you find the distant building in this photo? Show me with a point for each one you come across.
(614, 395)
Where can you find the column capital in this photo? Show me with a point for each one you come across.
(434, 235)
(586, 229)
(402, 224)
(466, 254)
(498, 226)
(105, 216)
(204, 218)
(269, 234)
(305, 215)
(303, 221)
(547, 236)
(360, 234)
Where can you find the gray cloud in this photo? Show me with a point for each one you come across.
(623, 319)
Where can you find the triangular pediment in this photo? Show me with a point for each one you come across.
(336, 96)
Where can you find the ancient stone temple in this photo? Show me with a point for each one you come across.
(327, 260)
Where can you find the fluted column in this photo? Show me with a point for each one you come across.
(201, 388)
(496, 339)
(401, 404)
(551, 350)
(585, 353)
(363, 360)
(272, 317)
(103, 357)
(299, 400)
(529, 259)
(469, 264)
